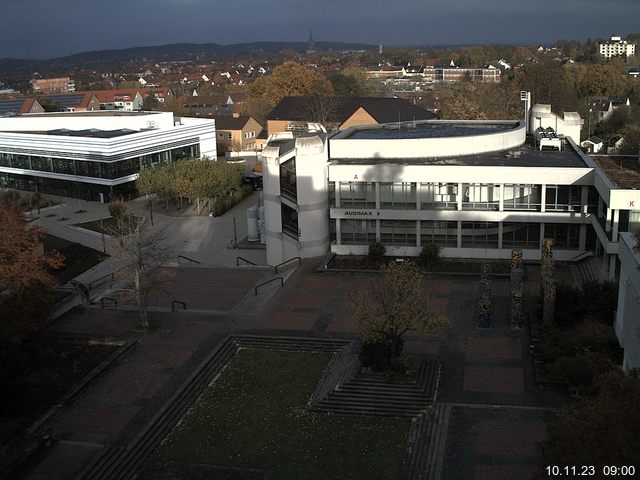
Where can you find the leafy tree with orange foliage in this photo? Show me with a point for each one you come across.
(288, 79)
(25, 276)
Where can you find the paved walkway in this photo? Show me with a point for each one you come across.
(497, 413)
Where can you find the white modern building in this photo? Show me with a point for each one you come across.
(95, 154)
(477, 189)
(627, 323)
(616, 47)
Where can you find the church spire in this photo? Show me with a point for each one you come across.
(311, 45)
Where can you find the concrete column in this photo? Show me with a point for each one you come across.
(607, 222)
(377, 188)
(543, 198)
(615, 221)
(377, 230)
(418, 239)
(500, 228)
(459, 199)
(418, 196)
(541, 232)
(337, 194)
(338, 232)
(501, 201)
(612, 267)
(459, 227)
(582, 239)
(584, 199)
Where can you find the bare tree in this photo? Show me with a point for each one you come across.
(321, 109)
(142, 250)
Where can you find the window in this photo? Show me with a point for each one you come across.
(480, 234)
(480, 196)
(565, 198)
(401, 195)
(439, 196)
(565, 236)
(521, 235)
(398, 232)
(357, 232)
(290, 221)
(229, 136)
(442, 233)
(221, 136)
(288, 186)
(521, 197)
(357, 195)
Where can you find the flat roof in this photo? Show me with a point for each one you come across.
(523, 156)
(96, 113)
(624, 172)
(428, 129)
(89, 132)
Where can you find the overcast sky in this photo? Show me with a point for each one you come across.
(52, 28)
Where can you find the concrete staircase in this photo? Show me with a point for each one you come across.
(590, 269)
(424, 457)
(347, 390)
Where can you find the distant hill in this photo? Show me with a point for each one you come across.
(186, 51)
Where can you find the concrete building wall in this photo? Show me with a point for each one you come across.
(627, 320)
(359, 117)
(344, 147)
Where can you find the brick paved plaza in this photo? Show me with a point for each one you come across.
(497, 415)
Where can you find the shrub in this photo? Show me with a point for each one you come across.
(377, 252)
(601, 300)
(429, 255)
(570, 305)
(377, 355)
(117, 208)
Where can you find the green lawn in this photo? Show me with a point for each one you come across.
(254, 416)
(104, 225)
(77, 258)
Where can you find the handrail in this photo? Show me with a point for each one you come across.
(581, 256)
(187, 258)
(275, 269)
(244, 260)
(255, 289)
(178, 302)
(113, 301)
(99, 280)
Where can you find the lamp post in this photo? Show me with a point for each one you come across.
(589, 132)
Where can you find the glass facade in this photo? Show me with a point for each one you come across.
(480, 234)
(398, 232)
(357, 195)
(563, 198)
(290, 221)
(480, 196)
(400, 195)
(521, 235)
(288, 186)
(439, 196)
(565, 236)
(87, 168)
(357, 232)
(442, 233)
(522, 197)
(83, 168)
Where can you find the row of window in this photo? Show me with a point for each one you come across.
(475, 196)
(445, 233)
(85, 168)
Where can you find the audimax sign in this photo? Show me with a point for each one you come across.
(361, 213)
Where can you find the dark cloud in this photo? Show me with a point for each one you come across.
(46, 28)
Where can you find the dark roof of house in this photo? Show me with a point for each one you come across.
(383, 110)
(594, 139)
(229, 122)
(13, 106)
(69, 100)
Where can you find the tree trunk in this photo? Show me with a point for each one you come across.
(142, 307)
